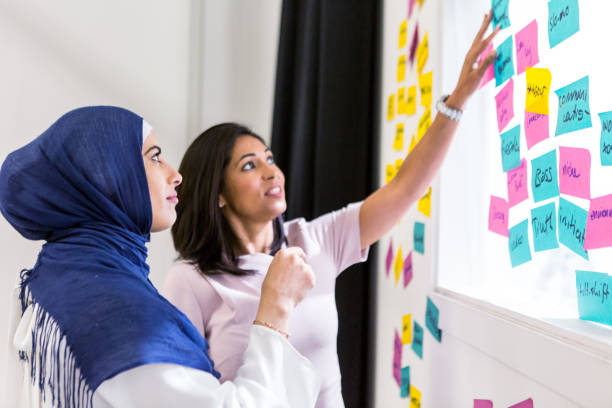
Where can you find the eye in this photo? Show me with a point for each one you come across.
(270, 159)
(248, 166)
(156, 158)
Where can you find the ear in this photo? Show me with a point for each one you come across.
(222, 201)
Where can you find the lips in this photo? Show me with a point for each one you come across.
(275, 191)
(173, 199)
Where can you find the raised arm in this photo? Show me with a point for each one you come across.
(384, 208)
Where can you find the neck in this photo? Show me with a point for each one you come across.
(254, 237)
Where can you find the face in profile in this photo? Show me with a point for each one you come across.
(254, 187)
(162, 180)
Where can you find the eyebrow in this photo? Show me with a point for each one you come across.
(250, 155)
(151, 148)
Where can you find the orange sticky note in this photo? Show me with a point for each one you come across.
(425, 85)
(425, 203)
(398, 142)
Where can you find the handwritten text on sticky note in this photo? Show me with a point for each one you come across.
(517, 184)
(574, 111)
(498, 216)
(544, 181)
(563, 20)
(538, 88)
(504, 65)
(536, 128)
(518, 244)
(504, 104)
(599, 223)
(511, 148)
(572, 226)
(575, 172)
(544, 227)
(527, 47)
(417, 339)
(605, 145)
(594, 297)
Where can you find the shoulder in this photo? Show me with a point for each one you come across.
(183, 276)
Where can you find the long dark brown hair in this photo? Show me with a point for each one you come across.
(201, 234)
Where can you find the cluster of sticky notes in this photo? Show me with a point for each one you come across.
(483, 403)
(594, 297)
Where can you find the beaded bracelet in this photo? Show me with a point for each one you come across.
(271, 327)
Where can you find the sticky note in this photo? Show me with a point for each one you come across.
(398, 265)
(480, 403)
(599, 223)
(417, 339)
(563, 20)
(389, 259)
(498, 216)
(593, 294)
(538, 88)
(605, 145)
(391, 107)
(410, 105)
(398, 164)
(511, 148)
(401, 101)
(574, 112)
(536, 128)
(419, 237)
(401, 68)
(528, 403)
(425, 85)
(407, 329)
(575, 172)
(504, 65)
(526, 42)
(410, 7)
(544, 181)
(389, 172)
(397, 359)
(408, 269)
(405, 387)
(518, 244)
(421, 2)
(415, 397)
(412, 143)
(398, 142)
(489, 73)
(544, 227)
(414, 44)
(517, 184)
(431, 320)
(572, 226)
(424, 205)
(424, 124)
(422, 53)
(504, 104)
(403, 33)
(500, 13)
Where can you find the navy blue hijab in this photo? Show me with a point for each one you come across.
(81, 186)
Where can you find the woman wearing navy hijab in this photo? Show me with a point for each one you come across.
(89, 328)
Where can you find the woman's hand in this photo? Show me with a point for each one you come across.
(287, 281)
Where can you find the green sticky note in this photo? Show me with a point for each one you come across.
(544, 227)
(574, 111)
(605, 145)
(419, 237)
(518, 244)
(563, 20)
(504, 64)
(593, 294)
(544, 176)
(417, 339)
(572, 225)
(511, 148)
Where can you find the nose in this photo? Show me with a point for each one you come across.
(175, 178)
(270, 171)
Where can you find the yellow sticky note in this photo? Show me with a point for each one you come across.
(389, 172)
(421, 2)
(391, 107)
(538, 87)
(422, 53)
(406, 329)
(398, 164)
(424, 124)
(410, 104)
(401, 68)
(398, 142)
(402, 34)
(425, 203)
(415, 397)
(425, 85)
(401, 101)
(412, 143)
(398, 265)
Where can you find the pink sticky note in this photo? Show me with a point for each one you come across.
(536, 128)
(408, 269)
(389, 259)
(599, 223)
(397, 359)
(575, 172)
(528, 403)
(410, 7)
(489, 73)
(526, 42)
(505, 105)
(498, 216)
(414, 44)
(517, 184)
(480, 403)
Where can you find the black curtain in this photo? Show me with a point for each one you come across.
(324, 139)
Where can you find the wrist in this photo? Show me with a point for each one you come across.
(275, 313)
(456, 100)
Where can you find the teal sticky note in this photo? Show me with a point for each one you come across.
(405, 387)
(544, 227)
(500, 13)
(544, 176)
(419, 237)
(518, 244)
(574, 111)
(572, 225)
(417, 339)
(511, 148)
(563, 20)
(504, 64)
(605, 145)
(431, 320)
(593, 294)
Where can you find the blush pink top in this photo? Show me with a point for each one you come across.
(223, 307)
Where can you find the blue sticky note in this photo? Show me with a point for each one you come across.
(544, 227)
(419, 237)
(594, 298)
(417, 339)
(605, 146)
(500, 13)
(574, 111)
(504, 64)
(431, 319)
(572, 223)
(544, 176)
(563, 20)
(405, 387)
(518, 244)
(511, 148)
